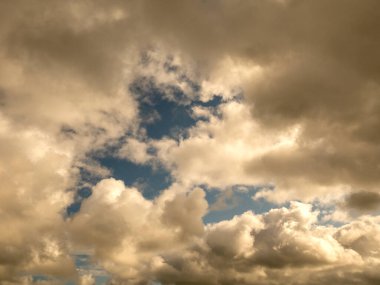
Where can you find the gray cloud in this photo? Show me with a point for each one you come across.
(363, 201)
(319, 71)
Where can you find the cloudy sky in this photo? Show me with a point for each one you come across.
(207, 142)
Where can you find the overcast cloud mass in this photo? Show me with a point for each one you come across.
(209, 142)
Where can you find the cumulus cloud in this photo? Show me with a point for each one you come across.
(35, 172)
(229, 134)
(126, 230)
(157, 240)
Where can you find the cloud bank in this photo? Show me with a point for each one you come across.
(279, 94)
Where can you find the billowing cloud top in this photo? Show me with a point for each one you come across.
(120, 120)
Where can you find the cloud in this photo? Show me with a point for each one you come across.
(87, 280)
(229, 135)
(299, 110)
(288, 247)
(135, 150)
(186, 211)
(60, 98)
(363, 201)
(62, 71)
(32, 225)
(361, 236)
(158, 243)
(315, 71)
(291, 238)
(133, 229)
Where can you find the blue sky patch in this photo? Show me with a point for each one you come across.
(225, 204)
(150, 180)
(85, 265)
(164, 110)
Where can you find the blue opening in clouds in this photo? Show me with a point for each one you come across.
(238, 201)
(75, 206)
(151, 180)
(85, 266)
(40, 278)
(164, 110)
(215, 101)
(172, 121)
(82, 193)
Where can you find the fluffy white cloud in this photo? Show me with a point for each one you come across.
(30, 208)
(125, 230)
(218, 150)
(139, 241)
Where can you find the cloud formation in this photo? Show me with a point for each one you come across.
(283, 95)
(317, 71)
(158, 240)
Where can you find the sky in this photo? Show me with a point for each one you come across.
(208, 142)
